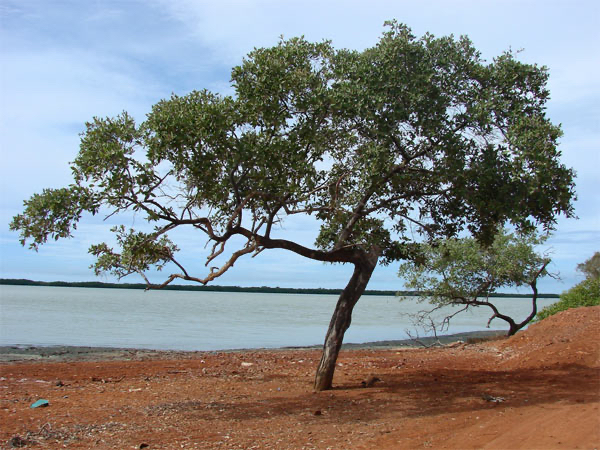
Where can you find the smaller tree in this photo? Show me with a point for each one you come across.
(464, 272)
(591, 267)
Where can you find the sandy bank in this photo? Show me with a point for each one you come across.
(81, 353)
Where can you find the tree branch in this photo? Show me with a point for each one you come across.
(336, 255)
(533, 285)
(249, 248)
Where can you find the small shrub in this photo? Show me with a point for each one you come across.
(586, 293)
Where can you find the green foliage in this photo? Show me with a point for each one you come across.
(591, 267)
(53, 214)
(412, 135)
(457, 271)
(465, 272)
(139, 252)
(586, 293)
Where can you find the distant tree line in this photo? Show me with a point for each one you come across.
(216, 288)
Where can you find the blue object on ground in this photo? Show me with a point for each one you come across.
(40, 403)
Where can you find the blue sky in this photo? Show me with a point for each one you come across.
(63, 62)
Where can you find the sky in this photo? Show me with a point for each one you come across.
(64, 62)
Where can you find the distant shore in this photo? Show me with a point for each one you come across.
(217, 288)
(16, 353)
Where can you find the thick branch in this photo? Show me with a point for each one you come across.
(336, 255)
(533, 285)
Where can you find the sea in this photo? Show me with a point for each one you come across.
(209, 321)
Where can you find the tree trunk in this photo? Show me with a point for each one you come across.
(512, 330)
(340, 321)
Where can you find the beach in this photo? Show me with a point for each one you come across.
(14, 353)
(537, 389)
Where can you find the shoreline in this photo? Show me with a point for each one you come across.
(65, 353)
(234, 289)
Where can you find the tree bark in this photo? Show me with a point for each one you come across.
(341, 319)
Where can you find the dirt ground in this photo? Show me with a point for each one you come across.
(537, 390)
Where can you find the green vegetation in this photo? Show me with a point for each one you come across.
(586, 293)
(412, 139)
(464, 272)
(208, 288)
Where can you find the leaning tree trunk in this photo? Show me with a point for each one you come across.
(340, 321)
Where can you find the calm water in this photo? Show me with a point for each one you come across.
(179, 320)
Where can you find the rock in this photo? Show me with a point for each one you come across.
(370, 382)
(490, 398)
(18, 442)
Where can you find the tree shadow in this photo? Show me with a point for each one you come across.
(435, 392)
(409, 394)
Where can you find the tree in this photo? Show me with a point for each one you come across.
(591, 266)
(462, 272)
(410, 136)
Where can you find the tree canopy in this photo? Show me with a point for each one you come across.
(591, 266)
(412, 139)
